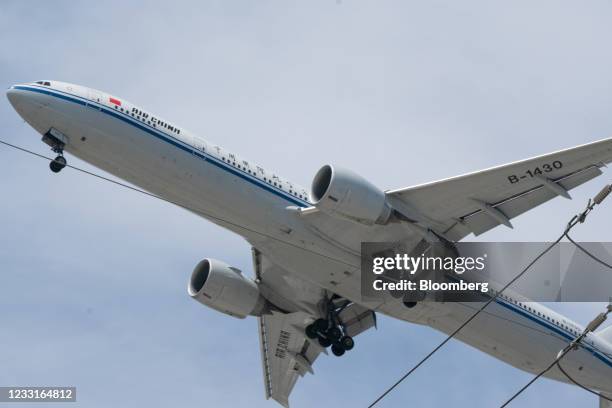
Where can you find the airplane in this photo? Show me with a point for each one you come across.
(306, 290)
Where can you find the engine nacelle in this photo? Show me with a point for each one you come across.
(338, 191)
(225, 289)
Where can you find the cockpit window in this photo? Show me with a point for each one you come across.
(45, 83)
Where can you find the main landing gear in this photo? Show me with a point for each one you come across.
(57, 141)
(330, 332)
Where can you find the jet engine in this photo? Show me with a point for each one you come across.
(225, 289)
(338, 191)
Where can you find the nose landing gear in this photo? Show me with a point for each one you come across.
(330, 331)
(57, 164)
(57, 140)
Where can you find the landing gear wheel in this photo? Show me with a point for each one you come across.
(334, 333)
(324, 341)
(337, 349)
(57, 164)
(347, 342)
(311, 331)
(321, 325)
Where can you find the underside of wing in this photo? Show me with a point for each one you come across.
(287, 352)
(476, 202)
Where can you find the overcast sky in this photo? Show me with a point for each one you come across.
(93, 277)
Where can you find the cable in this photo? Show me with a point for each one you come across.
(534, 379)
(203, 213)
(580, 385)
(580, 218)
(472, 317)
(588, 253)
(599, 197)
(595, 323)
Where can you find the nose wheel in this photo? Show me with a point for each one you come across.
(57, 164)
(57, 141)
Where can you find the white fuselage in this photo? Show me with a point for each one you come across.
(172, 163)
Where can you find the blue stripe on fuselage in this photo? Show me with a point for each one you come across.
(556, 329)
(169, 139)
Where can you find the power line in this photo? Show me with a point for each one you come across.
(583, 249)
(454, 333)
(580, 385)
(200, 212)
(595, 323)
(580, 218)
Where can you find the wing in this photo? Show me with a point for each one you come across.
(286, 352)
(477, 202)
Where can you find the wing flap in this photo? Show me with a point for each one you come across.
(265, 358)
(479, 221)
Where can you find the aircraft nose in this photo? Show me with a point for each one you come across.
(20, 99)
(14, 96)
(27, 104)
